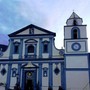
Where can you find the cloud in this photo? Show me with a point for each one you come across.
(3, 29)
(43, 13)
(49, 14)
(31, 12)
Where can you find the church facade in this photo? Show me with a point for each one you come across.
(32, 62)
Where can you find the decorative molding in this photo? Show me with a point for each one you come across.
(31, 26)
(14, 72)
(3, 71)
(45, 72)
(40, 47)
(50, 75)
(56, 70)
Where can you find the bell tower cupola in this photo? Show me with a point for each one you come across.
(74, 20)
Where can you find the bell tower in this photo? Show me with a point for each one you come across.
(76, 53)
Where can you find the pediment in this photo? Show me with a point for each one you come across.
(29, 65)
(31, 30)
(31, 41)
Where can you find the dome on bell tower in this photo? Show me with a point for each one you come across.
(74, 20)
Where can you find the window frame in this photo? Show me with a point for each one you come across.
(16, 44)
(28, 51)
(45, 48)
(73, 33)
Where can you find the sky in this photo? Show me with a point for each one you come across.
(48, 14)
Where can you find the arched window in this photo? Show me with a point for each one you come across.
(30, 49)
(74, 22)
(16, 47)
(75, 34)
(45, 46)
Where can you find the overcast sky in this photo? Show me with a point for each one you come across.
(48, 14)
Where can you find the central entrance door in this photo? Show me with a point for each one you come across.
(30, 80)
(29, 85)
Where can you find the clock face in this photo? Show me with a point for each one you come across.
(76, 46)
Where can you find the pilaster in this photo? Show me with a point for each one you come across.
(21, 48)
(19, 72)
(40, 48)
(40, 76)
(11, 49)
(50, 48)
(9, 75)
(50, 75)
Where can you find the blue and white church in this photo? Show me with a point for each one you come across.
(32, 62)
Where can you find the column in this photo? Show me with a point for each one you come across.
(40, 76)
(21, 48)
(50, 75)
(11, 49)
(50, 48)
(19, 72)
(23, 79)
(40, 48)
(9, 75)
(35, 51)
(25, 53)
(62, 75)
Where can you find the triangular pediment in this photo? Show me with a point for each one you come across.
(31, 30)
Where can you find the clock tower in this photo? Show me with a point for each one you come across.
(76, 53)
